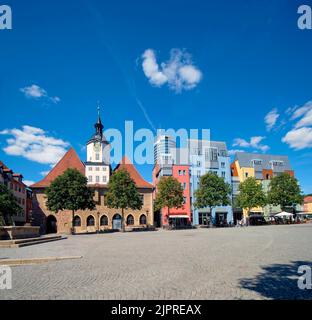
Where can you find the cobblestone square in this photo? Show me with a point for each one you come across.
(234, 263)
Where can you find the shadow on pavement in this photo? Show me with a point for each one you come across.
(279, 282)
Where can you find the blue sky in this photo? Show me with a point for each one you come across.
(248, 58)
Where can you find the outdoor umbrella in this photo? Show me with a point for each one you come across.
(284, 214)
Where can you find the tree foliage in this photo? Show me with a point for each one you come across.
(70, 192)
(250, 195)
(285, 191)
(213, 191)
(169, 193)
(122, 193)
(8, 205)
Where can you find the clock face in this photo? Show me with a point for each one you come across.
(97, 147)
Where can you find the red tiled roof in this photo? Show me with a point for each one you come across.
(69, 161)
(308, 199)
(126, 164)
(5, 168)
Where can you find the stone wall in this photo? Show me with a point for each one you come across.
(64, 218)
(8, 233)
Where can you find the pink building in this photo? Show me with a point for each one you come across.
(178, 217)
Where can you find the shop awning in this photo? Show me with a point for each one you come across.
(179, 216)
(284, 214)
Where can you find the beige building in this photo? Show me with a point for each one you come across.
(97, 169)
(14, 182)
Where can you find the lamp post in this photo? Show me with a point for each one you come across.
(98, 229)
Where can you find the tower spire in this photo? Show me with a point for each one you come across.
(99, 126)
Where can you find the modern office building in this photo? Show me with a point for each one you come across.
(170, 161)
(209, 156)
(188, 165)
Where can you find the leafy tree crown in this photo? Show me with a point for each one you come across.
(122, 192)
(251, 194)
(70, 192)
(169, 193)
(285, 191)
(213, 191)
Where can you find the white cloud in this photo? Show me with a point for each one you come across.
(300, 111)
(271, 119)
(179, 72)
(28, 182)
(234, 151)
(299, 139)
(36, 92)
(255, 143)
(34, 144)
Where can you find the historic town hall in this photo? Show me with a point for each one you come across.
(97, 169)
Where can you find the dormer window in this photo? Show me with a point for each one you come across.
(256, 162)
(277, 163)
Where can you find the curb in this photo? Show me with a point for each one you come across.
(32, 261)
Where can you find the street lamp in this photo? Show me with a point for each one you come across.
(98, 229)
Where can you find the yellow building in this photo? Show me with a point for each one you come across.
(262, 167)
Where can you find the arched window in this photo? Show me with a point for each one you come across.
(77, 221)
(104, 221)
(90, 221)
(143, 219)
(130, 220)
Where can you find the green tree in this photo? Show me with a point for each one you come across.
(8, 205)
(250, 195)
(123, 194)
(213, 191)
(169, 194)
(70, 192)
(285, 191)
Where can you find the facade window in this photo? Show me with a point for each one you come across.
(223, 165)
(97, 168)
(198, 164)
(246, 174)
(97, 178)
(130, 220)
(143, 219)
(104, 168)
(90, 221)
(90, 168)
(184, 186)
(142, 198)
(184, 200)
(223, 174)
(184, 172)
(97, 156)
(180, 172)
(104, 221)
(77, 221)
(90, 179)
(104, 179)
(223, 153)
(198, 174)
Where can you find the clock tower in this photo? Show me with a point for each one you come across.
(98, 156)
